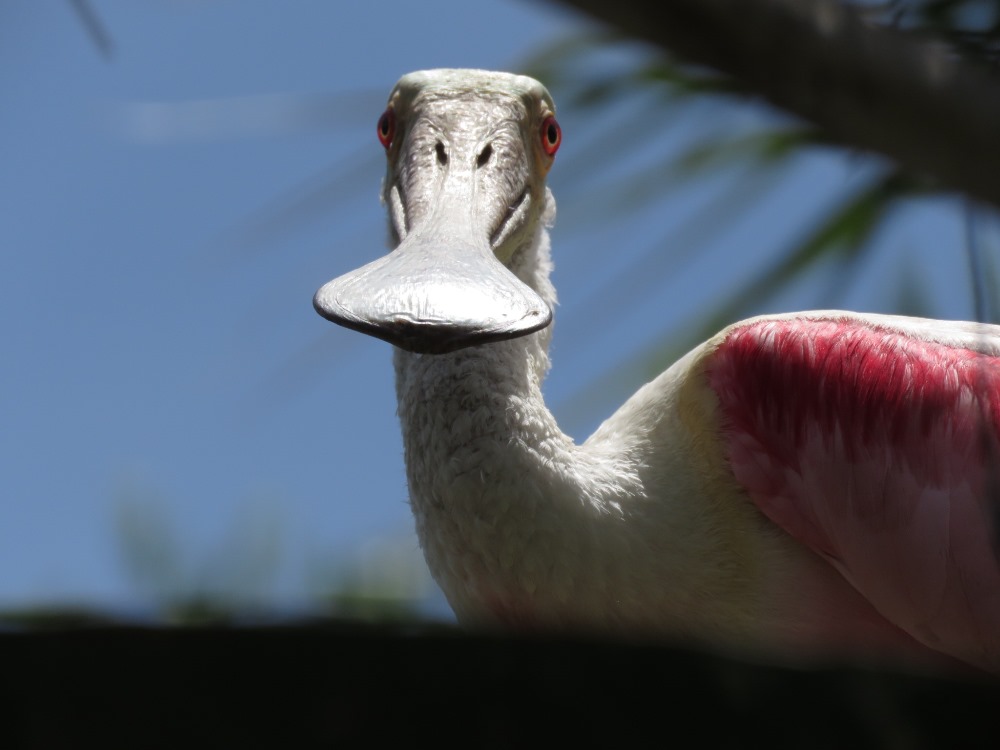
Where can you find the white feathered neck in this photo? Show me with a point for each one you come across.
(521, 526)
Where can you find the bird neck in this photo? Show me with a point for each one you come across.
(486, 462)
(450, 405)
(448, 401)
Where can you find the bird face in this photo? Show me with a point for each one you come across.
(467, 153)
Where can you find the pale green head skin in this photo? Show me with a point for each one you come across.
(465, 188)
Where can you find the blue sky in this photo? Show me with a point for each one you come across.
(165, 217)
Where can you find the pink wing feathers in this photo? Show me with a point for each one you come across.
(876, 442)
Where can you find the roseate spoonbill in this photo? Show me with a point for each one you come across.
(810, 482)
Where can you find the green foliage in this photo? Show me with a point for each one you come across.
(233, 580)
(770, 142)
(755, 148)
(183, 588)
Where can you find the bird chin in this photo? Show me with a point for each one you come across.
(420, 338)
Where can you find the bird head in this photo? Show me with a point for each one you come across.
(467, 152)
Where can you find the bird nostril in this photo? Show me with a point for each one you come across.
(484, 156)
(442, 155)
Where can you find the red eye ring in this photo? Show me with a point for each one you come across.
(551, 135)
(387, 128)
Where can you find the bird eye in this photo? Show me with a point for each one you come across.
(387, 127)
(551, 135)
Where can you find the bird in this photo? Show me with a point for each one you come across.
(800, 486)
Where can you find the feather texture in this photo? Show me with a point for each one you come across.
(877, 446)
(817, 483)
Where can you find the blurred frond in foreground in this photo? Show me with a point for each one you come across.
(749, 149)
(94, 27)
(234, 581)
(234, 578)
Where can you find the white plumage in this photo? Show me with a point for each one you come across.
(673, 518)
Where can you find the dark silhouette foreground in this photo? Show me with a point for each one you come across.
(328, 684)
